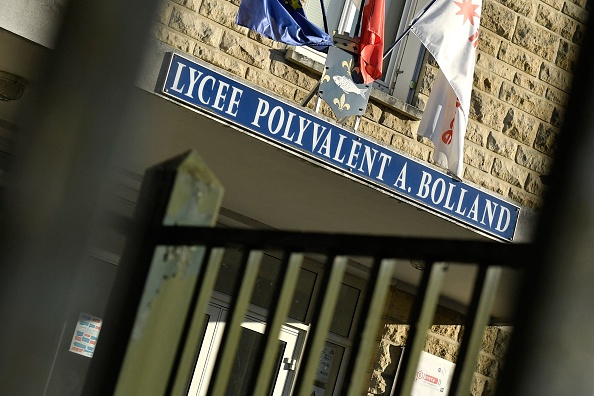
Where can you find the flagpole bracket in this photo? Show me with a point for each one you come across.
(310, 95)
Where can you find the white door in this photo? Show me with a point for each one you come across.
(252, 336)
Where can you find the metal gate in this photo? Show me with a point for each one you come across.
(115, 369)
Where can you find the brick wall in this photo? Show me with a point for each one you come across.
(443, 340)
(527, 52)
(526, 55)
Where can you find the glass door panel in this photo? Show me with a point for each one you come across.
(244, 365)
(209, 346)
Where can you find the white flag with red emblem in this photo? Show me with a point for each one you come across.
(449, 30)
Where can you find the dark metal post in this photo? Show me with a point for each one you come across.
(552, 346)
(421, 316)
(365, 341)
(324, 18)
(181, 191)
(332, 279)
(485, 287)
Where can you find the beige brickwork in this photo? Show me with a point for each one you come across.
(443, 340)
(527, 52)
(526, 56)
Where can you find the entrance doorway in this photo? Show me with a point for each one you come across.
(333, 355)
(252, 335)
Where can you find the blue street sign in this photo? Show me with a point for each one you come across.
(305, 132)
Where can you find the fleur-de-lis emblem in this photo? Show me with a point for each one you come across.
(325, 77)
(341, 104)
(349, 66)
(337, 85)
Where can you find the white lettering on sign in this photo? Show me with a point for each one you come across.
(275, 123)
(303, 124)
(437, 189)
(212, 80)
(209, 91)
(385, 160)
(449, 196)
(355, 146)
(175, 87)
(194, 77)
(333, 145)
(263, 107)
(341, 140)
(401, 179)
(317, 136)
(322, 140)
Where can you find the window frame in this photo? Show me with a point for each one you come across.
(405, 90)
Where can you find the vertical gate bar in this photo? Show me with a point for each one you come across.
(160, 320)
(375, 298)
(478, 318)
(320, 326)
(150, 277)
(232, 332)
(552, 342)
(179, 379)
(128, 287)
(421, 317)
(273, 327)
(194, 200)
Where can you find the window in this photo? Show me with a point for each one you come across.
(401, 67)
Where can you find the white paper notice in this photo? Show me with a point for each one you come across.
(433, 376)
(85, 335)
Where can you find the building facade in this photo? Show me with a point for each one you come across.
(526, 54)
(525, 58)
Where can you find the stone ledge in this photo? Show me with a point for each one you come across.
(296, 56)
(396, 104)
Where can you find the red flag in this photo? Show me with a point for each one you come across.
(372, 40)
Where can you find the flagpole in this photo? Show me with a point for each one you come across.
(414, 21)
(324, 18)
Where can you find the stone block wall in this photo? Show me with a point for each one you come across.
(526, 56)
(443, 340)
(206, 29)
